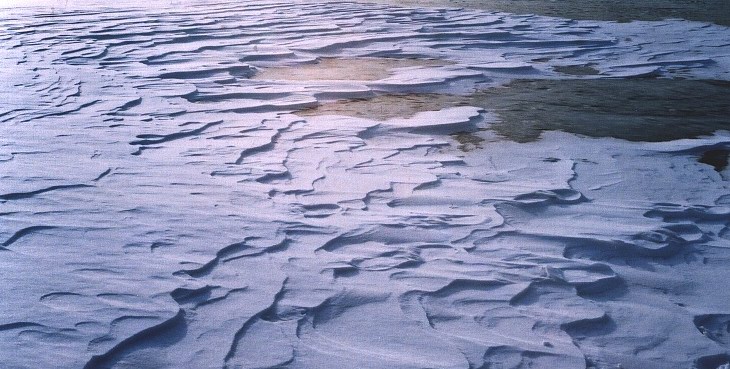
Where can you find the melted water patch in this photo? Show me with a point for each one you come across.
(577, 70)
(717, 158)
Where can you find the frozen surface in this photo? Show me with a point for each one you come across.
(162, 207)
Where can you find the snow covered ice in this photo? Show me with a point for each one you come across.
(179, 189)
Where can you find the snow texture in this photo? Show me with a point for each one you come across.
(162, 207)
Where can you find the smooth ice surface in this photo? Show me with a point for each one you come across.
(161, 206)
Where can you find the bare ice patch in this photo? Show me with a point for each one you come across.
(343, 69)
(623, 11)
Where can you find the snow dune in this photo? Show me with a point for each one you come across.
(162, 205)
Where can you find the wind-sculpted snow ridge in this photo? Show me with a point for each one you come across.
(163, 206)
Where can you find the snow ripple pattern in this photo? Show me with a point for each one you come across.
(160, 207)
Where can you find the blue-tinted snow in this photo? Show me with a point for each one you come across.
(161, 207)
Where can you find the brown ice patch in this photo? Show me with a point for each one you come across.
(468, 141)
(343, 69)
(630, 109)
(384, 107)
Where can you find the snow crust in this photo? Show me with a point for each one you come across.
(161, 207)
